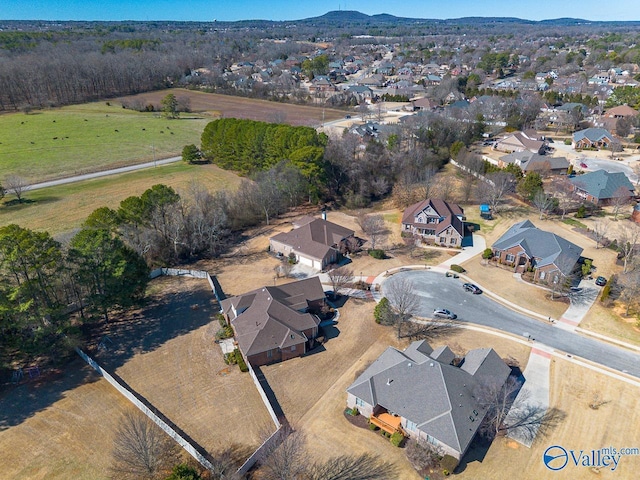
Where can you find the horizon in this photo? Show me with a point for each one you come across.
(288, 10)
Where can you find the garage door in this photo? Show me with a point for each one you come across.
(305, 261)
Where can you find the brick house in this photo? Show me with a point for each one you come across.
(592, 138)
(524, 247)
(421, 393)
(315, 242)
(603, 188)
(274, 324)
(436, 221)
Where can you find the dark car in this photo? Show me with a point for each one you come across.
(470, 287)
(444, 313)
(601, 281)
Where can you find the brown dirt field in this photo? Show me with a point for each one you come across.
(70, 437)
(572, 389)
(176, 365)
(311, 390)
(239, 107)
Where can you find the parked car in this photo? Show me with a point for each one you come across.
(470, 287)
(601, 281)
(583, 165)
(444, 313)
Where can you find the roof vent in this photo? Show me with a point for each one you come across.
(409, 364)
(431, 364)
(389, 381)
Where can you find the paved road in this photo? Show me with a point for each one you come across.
(611, 166)
(104, 173)
(437, 291)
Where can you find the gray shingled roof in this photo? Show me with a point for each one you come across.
(272, 317)
(602, 184)
(313, 238)
(529, 161)
(438, 397)
(592, 134)
(546, 247)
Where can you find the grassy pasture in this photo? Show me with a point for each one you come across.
(63, 208)
(83, 138)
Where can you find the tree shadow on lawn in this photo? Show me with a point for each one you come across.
(24, 400)
(144, 330)
(163, 318)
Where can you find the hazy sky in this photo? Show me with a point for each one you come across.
(207, 10)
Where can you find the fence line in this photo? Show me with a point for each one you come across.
(157, 417)
(468, 170)
(179, 272)
(255, 456)
(263, 394)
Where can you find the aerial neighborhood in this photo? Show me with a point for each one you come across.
(349, 246)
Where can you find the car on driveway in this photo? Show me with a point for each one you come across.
(470, 287)
(601, 281)
(444, 313)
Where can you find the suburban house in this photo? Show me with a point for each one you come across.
(435, 221)
(621, 111)
(534, 162)
(524, 247)
(315, 242)
(273, 324)
(592, 138)
(426, 394)
(603, 188)
(520, 142)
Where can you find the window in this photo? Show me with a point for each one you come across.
(431, 440)
(411, 426)
(452, 241)
(510, 257)
(443, 240)
(269, 353)
(542, 275)
(359, 403)
(293, 348)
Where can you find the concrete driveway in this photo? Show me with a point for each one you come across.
(437, 291)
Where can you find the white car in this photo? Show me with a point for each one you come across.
(444, 313)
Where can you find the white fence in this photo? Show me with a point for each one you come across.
(179, 272)
(468, 170)
(196, 451)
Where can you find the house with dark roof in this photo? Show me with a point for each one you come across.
(524, 247)
(435, 221)
(592, 138)
(273, 324)
(534, 162)
(425, 394)
(315, 242)
(520, 142)
(602, 187)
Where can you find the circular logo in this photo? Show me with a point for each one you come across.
(555, 458)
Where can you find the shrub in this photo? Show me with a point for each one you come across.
(373, 427)
(221, 320)
(606, 291)
(457, 268)
(361, 285)
(381, 310)
(377, 253)
(352, 411)
(567, 141)
(292, 258)
(224, 333)
(240, 360)
(581, 212)
(230, 358)
(448, 464)
(396, 439)
(487, 254)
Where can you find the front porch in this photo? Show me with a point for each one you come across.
(387, 422)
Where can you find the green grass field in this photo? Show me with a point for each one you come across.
(76, 139)
(63, 208)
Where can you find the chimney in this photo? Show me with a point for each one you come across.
(324, 213)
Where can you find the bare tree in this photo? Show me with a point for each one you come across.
(562, 190)
(423, 456)
(615, 146)
(286, 459)
(627, 242)
(352, 467)
(543, 202)
(404, 300)
(374, 227)
(630, 283)
(17, 185)
(141, 450)
(505, 415)
(495, 188)
(340, 277)
(600, 229)
(621, 197)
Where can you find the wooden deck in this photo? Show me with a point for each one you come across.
(387, 422)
